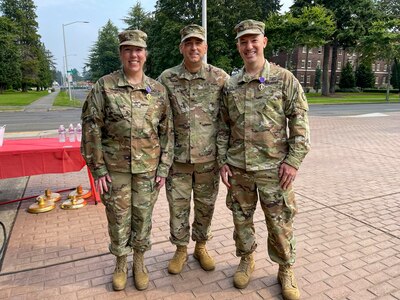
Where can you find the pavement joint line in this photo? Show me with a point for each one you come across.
(333, 207)
(356, 149)
(256, 222)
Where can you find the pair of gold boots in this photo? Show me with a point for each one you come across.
(139, 270)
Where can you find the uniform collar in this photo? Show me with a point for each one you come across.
(183, 73)
(144, 85)
(265, 73)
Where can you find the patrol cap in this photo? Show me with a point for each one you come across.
(249, 27)
(133, 38)
(192, 30)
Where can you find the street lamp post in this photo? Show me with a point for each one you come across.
(65, 54)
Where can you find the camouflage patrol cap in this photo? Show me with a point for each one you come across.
(249, 27)
(192, 30)
(133, 38)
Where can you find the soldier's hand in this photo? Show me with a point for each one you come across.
(225, 172)
(287, 174)
(160, 181)
(101, 184)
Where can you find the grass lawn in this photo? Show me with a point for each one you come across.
(341, 98)
(10, 98)
(62, 99)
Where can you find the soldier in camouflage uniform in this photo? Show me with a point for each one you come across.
(258, 157)
(194, 89)
(127, 142)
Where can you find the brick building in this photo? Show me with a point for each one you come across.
(304, 67)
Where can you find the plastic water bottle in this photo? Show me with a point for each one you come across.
(61, 134)
(71, 133)
(78, 132)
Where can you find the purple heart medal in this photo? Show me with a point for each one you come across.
(148, 91)
(261, 86)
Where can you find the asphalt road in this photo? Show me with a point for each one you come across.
(48, 120)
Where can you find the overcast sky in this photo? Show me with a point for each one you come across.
(80, 37)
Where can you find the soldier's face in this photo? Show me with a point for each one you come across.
(193, 50)
(132, 58)
(251, 47)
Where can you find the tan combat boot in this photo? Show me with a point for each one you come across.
(201, 254)
(243, 272)
(175, 265)
(140, 276)
(120, 273)
(286, 278)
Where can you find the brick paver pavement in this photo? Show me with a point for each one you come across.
(347, 228)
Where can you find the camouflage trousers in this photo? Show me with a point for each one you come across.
(279, 208)
(129, 206)
(203, 179)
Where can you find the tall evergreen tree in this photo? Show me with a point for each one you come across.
(46, 65)
(317, 81)
(137, 17)
(347, 79)
(395, 78)
(23, 14)
(104, 55)
(365, 78)
(10, 70)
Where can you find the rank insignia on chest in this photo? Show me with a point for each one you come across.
(148, 96)
(261, 86)
(137, 103)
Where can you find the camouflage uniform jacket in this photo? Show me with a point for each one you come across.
(195, 102)
(127, 128)
(255, 114)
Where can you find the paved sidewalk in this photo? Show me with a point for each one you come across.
(347, 228)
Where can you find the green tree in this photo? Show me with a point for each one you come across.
(317, 81)
(104, 55)
(10, 70)
(23, 14)
(365, 78)
(171, 15)
(347, 79)
(395, 78)
(389, 8)
(46, 65)
(317, 26)
(353, 19)
(137, 17)
(383, 42)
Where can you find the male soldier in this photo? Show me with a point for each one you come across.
(127, 142)
(194, 89)
(258, 156)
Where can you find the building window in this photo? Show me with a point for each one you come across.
(318, 63)
(340, 51)
(373, 67)
(384, 80)
(309, 64)
(350, 61)
(376, 80)
(303, 63)
(320, 50)
(378, 66)
(337, 79)
(339, 65)
(304, 49)
(310, 51)
(301, 78)
(385, 68)
(308, 78)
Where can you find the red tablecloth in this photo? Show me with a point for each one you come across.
(39, 156)
(28, 157)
